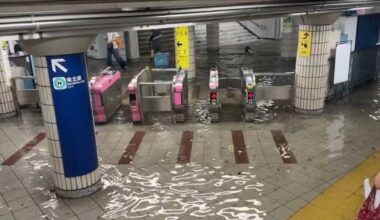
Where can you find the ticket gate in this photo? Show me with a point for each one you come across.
(214, 97)
(106, 95)
(246, 82)
(159, 90)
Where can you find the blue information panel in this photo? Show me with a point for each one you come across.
(68, 78)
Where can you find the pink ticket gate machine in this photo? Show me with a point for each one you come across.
(106, 94)
(214, 96)
(136, 113)
(249, 93)
(159, 90)
(246, 82)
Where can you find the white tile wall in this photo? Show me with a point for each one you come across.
(47, 105)
(289, 42)
(312, 72)
(7, 104)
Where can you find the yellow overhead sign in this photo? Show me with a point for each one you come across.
(182, 47)
(304, 43)
(4, 45)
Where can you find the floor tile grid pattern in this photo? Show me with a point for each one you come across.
(344, 198)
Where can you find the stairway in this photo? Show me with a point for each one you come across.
(269, 28)
(230, 33)
(167, 41)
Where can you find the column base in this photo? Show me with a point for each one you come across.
(8, 115)
(76, 194)
(309, 112)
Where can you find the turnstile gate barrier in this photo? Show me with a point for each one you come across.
(151, 91)
(247, 83)
(249, 93)
(214, 96)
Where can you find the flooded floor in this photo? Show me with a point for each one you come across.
(197, 170)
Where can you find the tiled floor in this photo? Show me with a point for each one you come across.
(344, 198)
(212, 185)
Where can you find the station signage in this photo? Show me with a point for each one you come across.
(75, 126)
(182, 47)
(304, 43)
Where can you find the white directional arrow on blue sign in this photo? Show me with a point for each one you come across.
(57, 63)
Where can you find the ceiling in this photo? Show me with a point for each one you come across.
(49, 18)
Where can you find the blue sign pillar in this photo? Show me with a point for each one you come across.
(67, 112)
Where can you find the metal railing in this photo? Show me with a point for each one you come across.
(158, 90)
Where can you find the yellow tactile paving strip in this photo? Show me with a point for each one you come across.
(344, 198)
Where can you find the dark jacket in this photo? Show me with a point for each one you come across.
(155, 41)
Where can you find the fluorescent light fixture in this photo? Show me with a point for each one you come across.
(128, 9)
(161, 26)
(297, 14)
(359, 8)
(9, 37)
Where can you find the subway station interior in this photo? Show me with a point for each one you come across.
(190, 109)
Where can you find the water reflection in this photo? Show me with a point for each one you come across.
(376, 104)
(122, 115)
(265, 111)
(190, 190)
(201, 112)
(335, 139)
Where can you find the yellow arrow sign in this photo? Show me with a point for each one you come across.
(304, 43)
(182, 47)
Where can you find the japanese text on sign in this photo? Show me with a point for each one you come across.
(182, 47)
(304, 43)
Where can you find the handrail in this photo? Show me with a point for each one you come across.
(156, 83)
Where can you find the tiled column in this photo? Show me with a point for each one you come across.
(192, 70)
(133, 45)
(212, 35)
(67, 113)
(289, 41)
(7, 103)
(312, 71)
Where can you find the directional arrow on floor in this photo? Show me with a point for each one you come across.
(57, 63)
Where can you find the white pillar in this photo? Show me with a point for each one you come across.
(312, 64)
(67, 113)
(133, 45)
(7, 102)
(312, 71)
(212, 35)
